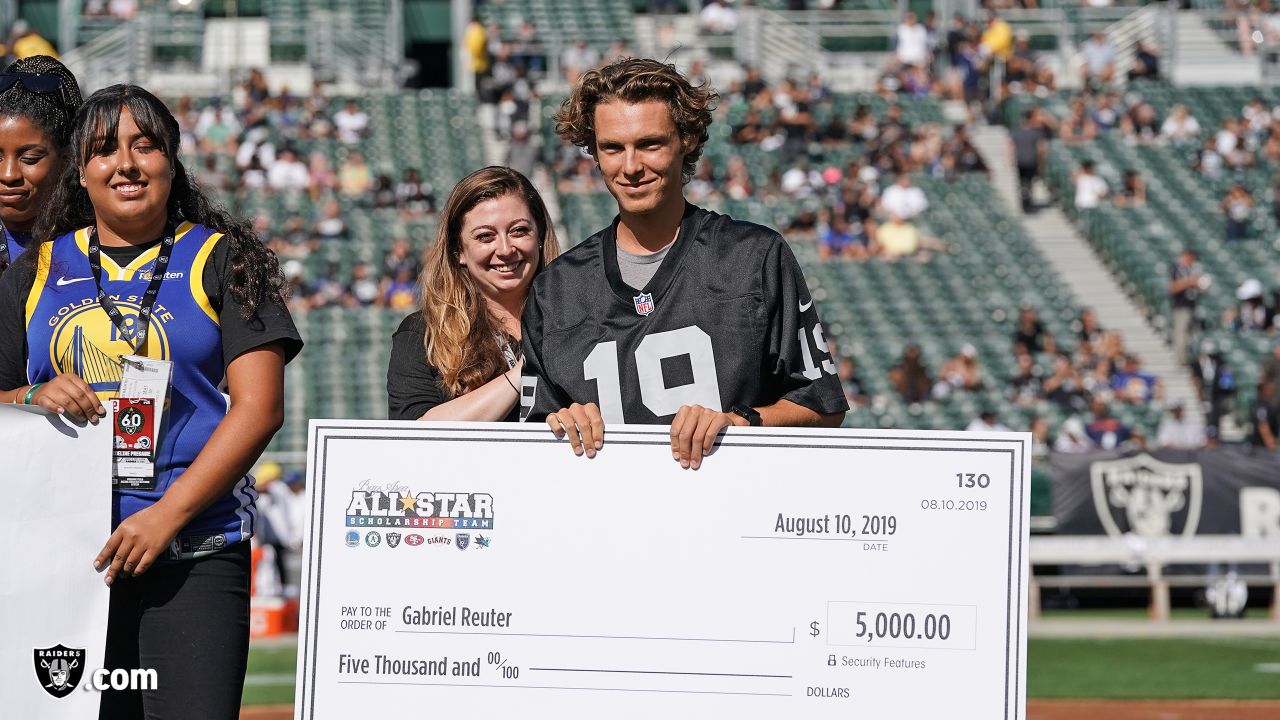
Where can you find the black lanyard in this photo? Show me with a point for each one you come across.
(139, 337)
(4, 247)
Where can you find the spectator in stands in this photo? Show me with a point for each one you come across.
(1107, 111)
(331, 226)
(364, 286)
(288, 174)
(1178, 432)
(838, 238)
(25, 42)
(1028, 147)
(1209, 162)
(911, 42)
(1271, 367)
(1099, 61)
(1180, 127)
(523, 154)
(399, 258)
(987, 421)
(855, 390)
(1266, 417)
(383, 195)
(1215, 384)
(902, 201)
(323, 179)
(1031, 336)
(1146, 63)
(899, 239)
(253, 178)
(1078, 126)
(495, 237)
(1132, 384)
(909, 377)
(959, 373)
(577, 59)
(1089, 188)
(959, 152)
(1106, 431)
(1132, 192)
(327, 290)
(1072, 437)
(997, 38)
(965, 78)
(1140, 124)
(526, 50)
(398, 291)
(355, 179)
(1064, 385)
(414, 196)
(1087, 328)
(212, 177)
(351, 123)
(718, 17)
(1237, 206)
(1026, 388)
(217, 128)
(1251, 313)
(475, 40)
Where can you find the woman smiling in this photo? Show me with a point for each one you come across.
(458, 358)
(38, 101)
(135, 261)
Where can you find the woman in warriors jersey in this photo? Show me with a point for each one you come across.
(673, 314)
(38, 102)
(458, 357)
(139, 262)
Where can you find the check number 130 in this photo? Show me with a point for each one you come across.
(967, 481)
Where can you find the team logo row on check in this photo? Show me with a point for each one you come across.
(373, 538)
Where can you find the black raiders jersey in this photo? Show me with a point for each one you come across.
(726, 321)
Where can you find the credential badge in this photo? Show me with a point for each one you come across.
(644, 303)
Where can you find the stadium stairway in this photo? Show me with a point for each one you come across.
(1202, 58)
(1084, 273)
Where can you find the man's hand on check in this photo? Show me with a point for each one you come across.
(583, 426)
(694, 431)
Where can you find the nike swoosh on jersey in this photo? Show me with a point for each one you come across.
(806, 306)
(64, 281)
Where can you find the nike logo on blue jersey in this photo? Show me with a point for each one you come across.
(806, 306)
(64, 281)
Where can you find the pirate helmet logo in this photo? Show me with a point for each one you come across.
(59, 669)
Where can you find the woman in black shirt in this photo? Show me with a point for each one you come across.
(458, 358)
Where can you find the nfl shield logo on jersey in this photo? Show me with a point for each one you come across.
(644, 303)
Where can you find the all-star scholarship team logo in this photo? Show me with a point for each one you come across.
(395, 506)
(59, 669)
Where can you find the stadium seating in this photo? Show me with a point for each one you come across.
(600, 23)
(1183, 211)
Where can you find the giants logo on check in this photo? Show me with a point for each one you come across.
(400, 507)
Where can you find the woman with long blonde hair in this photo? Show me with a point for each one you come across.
(458, 358)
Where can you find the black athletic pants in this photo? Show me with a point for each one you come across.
(189, 621)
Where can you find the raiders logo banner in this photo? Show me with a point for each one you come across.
(55, 518)
(1224, 491)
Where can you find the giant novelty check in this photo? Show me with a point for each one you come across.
(483, 570)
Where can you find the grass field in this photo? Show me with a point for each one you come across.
(1157, 668)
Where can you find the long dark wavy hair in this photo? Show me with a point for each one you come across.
(255, 272)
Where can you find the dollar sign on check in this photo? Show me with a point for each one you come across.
(813, 629)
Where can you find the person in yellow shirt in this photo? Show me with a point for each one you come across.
(27, 42)
(997, 39)
(476, 42)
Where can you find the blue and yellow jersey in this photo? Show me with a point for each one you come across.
(69, 332)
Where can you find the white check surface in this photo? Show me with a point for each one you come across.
(625, 587)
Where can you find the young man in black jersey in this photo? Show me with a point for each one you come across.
(673, 314)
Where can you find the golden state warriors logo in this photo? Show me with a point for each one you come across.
(87, 343)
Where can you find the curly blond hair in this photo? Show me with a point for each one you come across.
(460, 329)
(634, 80)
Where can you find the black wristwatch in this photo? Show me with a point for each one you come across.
(747, 413)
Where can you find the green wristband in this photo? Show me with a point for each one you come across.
(26, 400)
